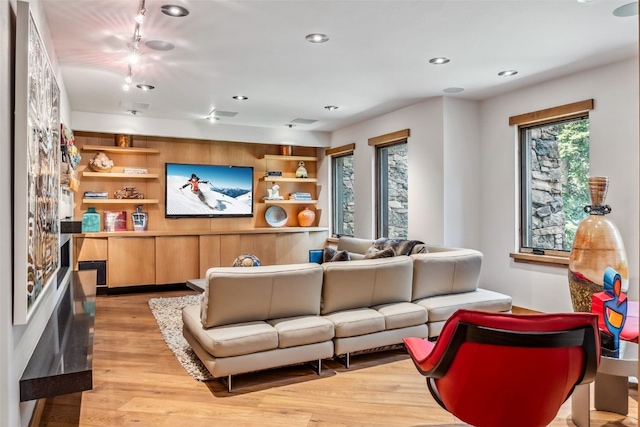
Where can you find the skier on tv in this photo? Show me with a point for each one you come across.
(194, 182)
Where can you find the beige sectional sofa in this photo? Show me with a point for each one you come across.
(258, 318)
(263, 317)
(444, 279)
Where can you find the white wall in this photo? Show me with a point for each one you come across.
(443, 165)
(16, 342)
(613, 153)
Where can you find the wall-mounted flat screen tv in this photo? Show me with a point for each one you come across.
(208, 191)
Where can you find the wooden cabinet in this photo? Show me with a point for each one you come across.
(131, 261)
(177, 259)
(148, 258)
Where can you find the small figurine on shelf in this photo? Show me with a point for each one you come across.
(301, 172)
(274, 192)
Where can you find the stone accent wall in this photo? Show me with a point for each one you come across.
(547, 215)
(348, 207)
(398, 215)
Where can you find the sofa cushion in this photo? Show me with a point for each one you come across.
(442, 307)
(402, 314)
(331, 255)
(230, 340)
(361, 321)
(236, 295)
(446, 272)
(365, 283)
(295, 331)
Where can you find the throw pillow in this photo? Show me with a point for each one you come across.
(332, 255)
(373, 253)
(246, 260)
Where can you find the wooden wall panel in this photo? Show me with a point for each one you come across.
(131, 261)
(191, 151)
(209, 253)
(89, 249)
(177, 259)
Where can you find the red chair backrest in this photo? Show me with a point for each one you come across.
(496, 369)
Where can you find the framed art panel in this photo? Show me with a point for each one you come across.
(36, 181)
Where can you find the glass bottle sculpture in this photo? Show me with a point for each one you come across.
(596, 246)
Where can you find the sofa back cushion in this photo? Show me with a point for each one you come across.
(236, 295)
(366, 283)
(449, 271)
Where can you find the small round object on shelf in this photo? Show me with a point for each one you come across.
(275, 216)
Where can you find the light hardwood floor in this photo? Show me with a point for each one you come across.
(138, 382)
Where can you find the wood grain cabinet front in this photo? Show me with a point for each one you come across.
(132, 261)
(177, 259)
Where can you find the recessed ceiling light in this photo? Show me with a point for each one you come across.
(240, 98)
(159, 45)
(439, 60)
(453, 90)
(317, 38)
(629, 9)
(507, 73)
(134, 112)
(145, 87)
(587, 1)
(331, 107)
(289, 125)
(212, 118)
(125, 87)
(174, 10)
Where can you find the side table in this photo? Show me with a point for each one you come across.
(611, 387)
(196, 284)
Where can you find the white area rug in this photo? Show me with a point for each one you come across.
(168, 314)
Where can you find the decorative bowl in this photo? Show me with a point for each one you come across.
(275, 216)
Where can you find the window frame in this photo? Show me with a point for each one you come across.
(332, 154)
(527, 120)
(383, 141)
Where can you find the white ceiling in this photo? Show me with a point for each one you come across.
(376, 60)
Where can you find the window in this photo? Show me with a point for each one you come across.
(554, 178)
(343, 200)
(392, 195)
(342, 178)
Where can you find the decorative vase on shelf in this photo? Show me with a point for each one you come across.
(306, 217)
(91, 221)
(139, 219)
(596, 246)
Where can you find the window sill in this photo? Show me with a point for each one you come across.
(550, 260)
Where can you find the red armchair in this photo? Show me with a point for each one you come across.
(498, 369)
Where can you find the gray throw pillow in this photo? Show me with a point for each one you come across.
(331, 255)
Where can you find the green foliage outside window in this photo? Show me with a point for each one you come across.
(573, 144)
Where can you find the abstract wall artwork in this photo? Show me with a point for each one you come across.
(36, 170)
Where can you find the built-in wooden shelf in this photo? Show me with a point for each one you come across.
(289, 202)
(112, 175)
(120, 150)
(286, 179)
(297, 158)
(119, 201)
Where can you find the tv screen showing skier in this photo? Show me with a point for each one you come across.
(208, 190)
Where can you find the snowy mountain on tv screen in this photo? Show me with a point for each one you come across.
(183, 201)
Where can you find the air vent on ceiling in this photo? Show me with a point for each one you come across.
(130, 105)
(219, 113)
(303, 121)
